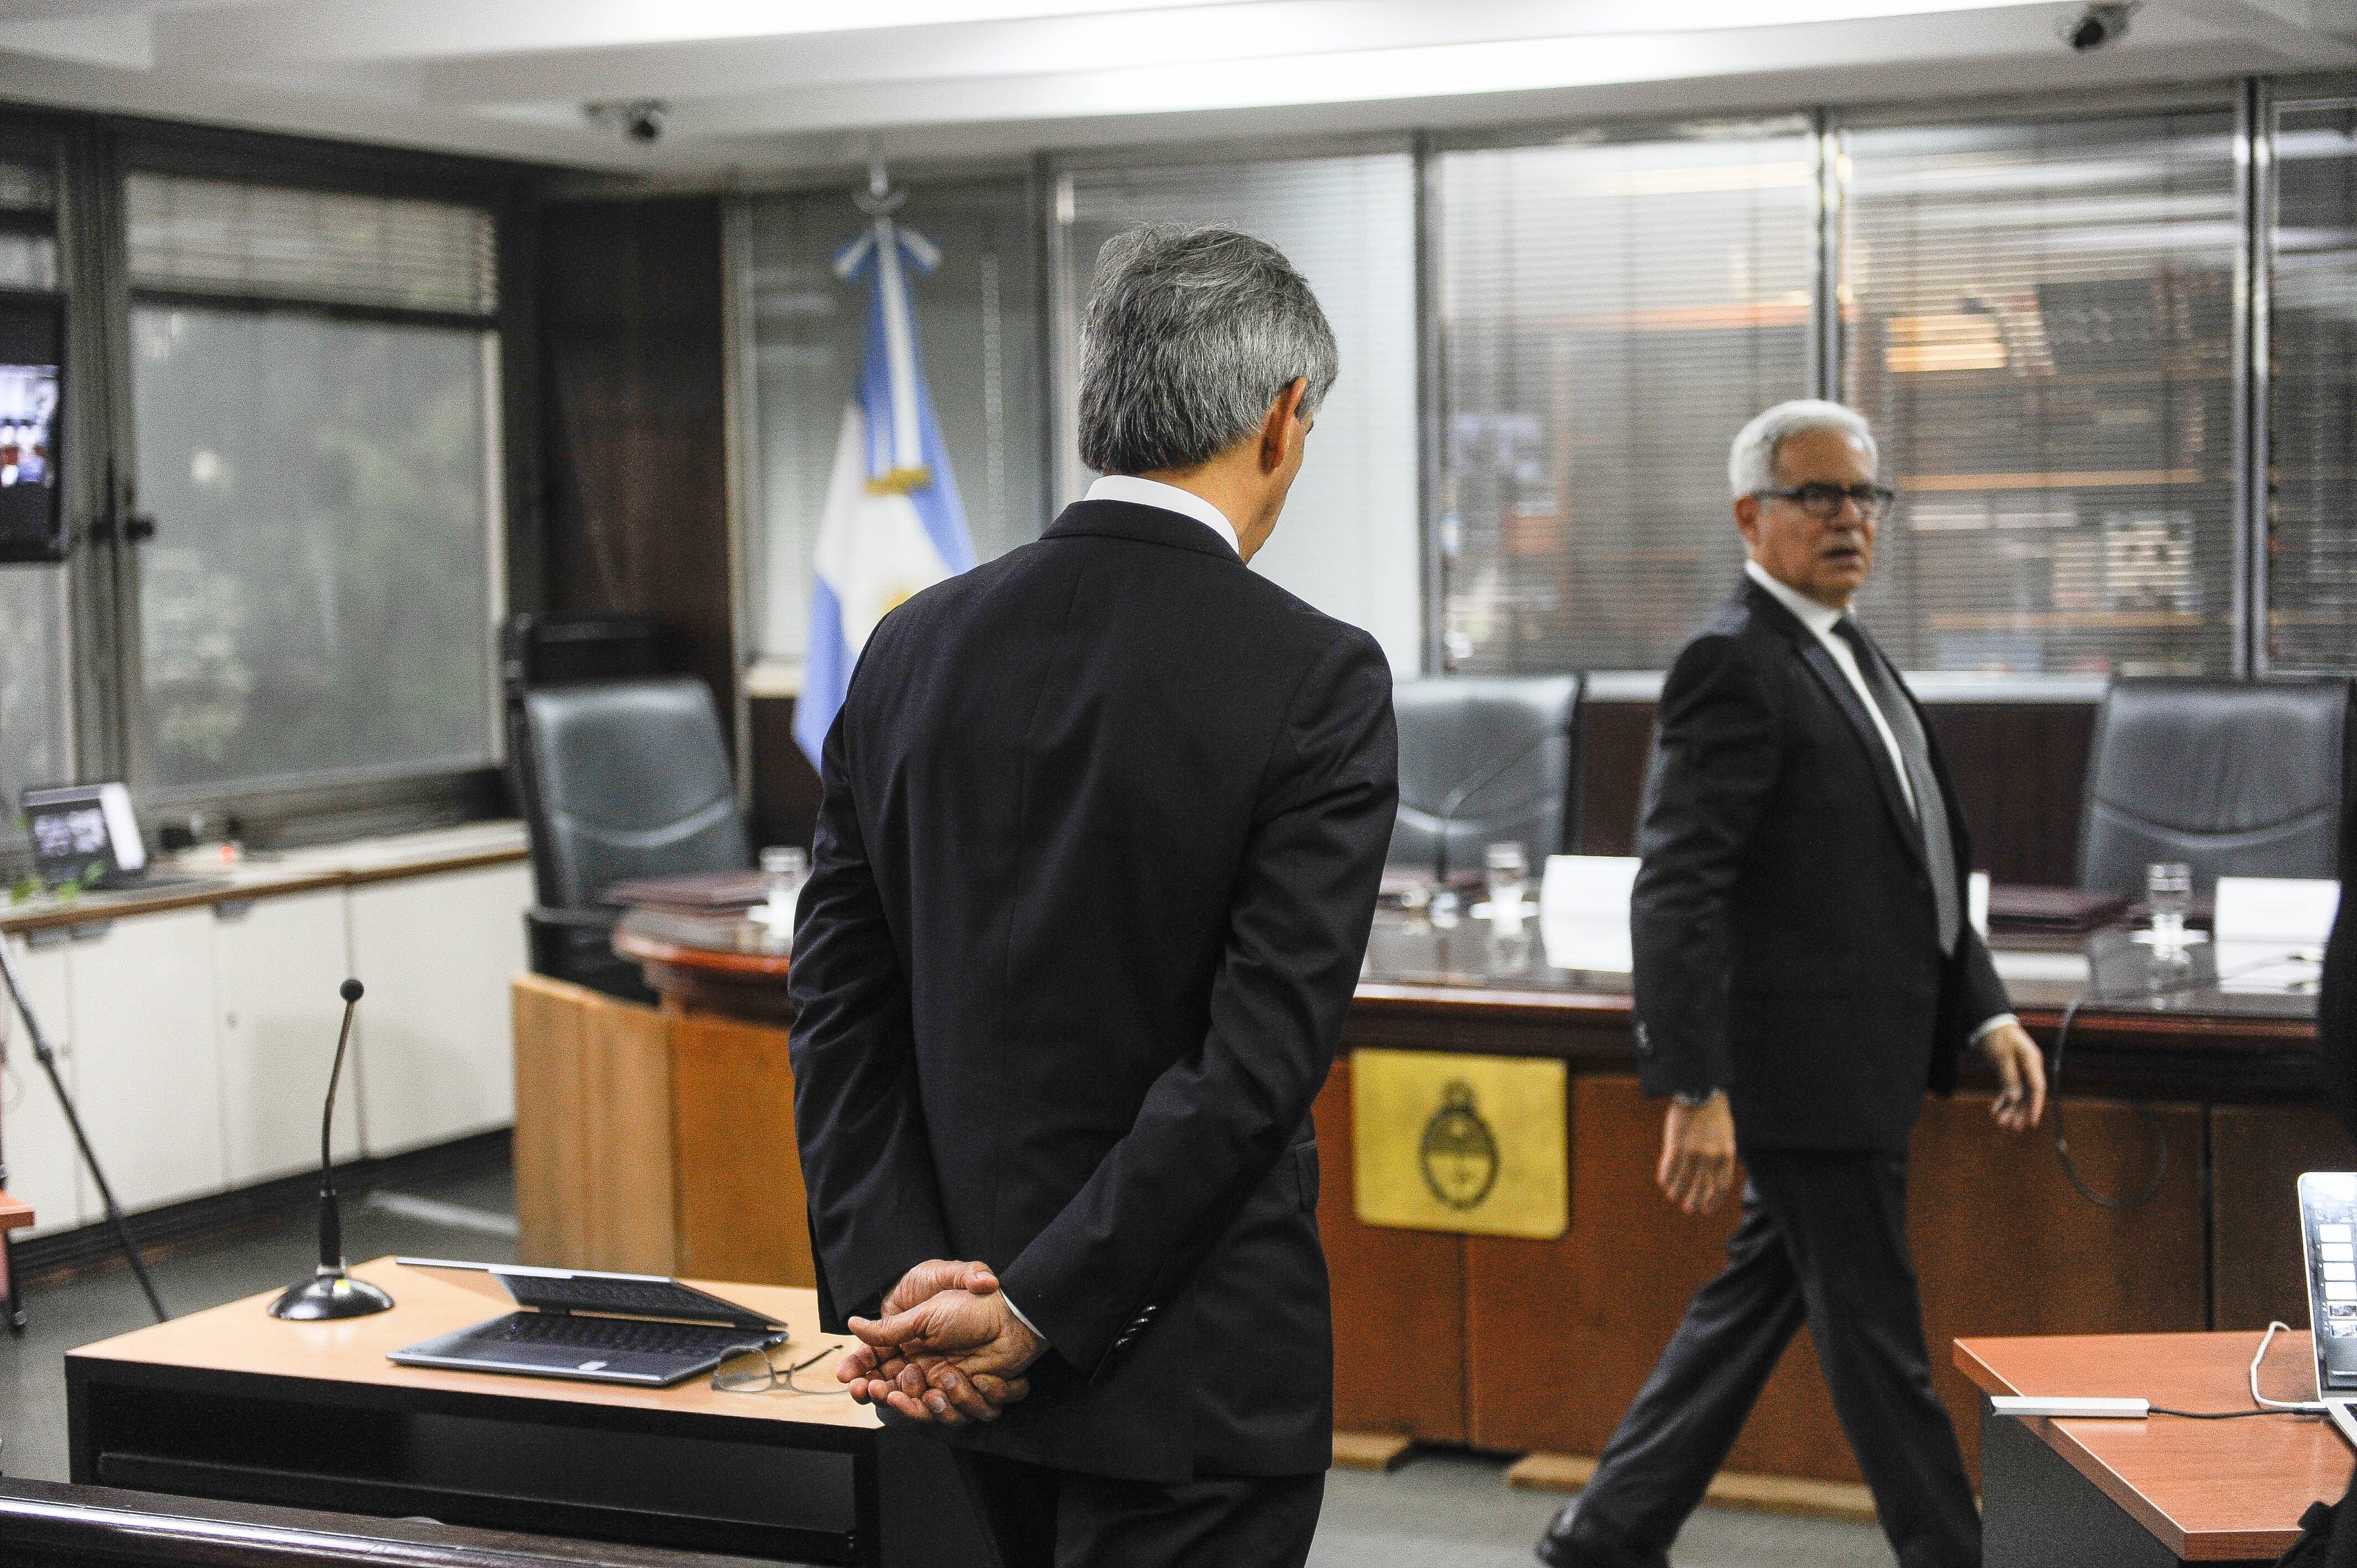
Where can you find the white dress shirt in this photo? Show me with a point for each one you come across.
(1169, 497)
(1820, 619)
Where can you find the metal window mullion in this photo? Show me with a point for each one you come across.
(103, 578)
(2253, 510)
(1431, 415)
(1825, 326)
(738, 455)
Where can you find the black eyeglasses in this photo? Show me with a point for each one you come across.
(1823, 502)
(751, 1370)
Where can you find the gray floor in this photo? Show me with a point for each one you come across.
(1441, 1511)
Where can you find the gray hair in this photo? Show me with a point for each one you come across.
(1752, 461)
(1189, 335)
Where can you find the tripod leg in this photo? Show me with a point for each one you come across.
(15, 1308)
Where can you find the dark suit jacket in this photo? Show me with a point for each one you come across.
(2336, 1002)
(1102, 827)
(1786, 942)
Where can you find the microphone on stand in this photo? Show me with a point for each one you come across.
(331, 1292)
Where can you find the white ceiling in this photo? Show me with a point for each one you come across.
(756, 90)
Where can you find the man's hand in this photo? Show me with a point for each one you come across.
(941, 1388)
(2021, 1069)
(1698, 1164)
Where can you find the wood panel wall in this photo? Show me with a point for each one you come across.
(633, 427)
(2020, 767)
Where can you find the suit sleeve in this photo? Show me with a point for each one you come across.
(867, 1166)
(1716, 763)
(1216, 1123)
(1979, 988)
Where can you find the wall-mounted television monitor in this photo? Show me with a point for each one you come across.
(32, 390)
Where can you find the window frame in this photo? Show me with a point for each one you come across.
(2266, 99)
(395, 799)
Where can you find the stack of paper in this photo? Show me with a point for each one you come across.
(2271, 931)
(1584, 911)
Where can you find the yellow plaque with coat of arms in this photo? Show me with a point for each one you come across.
(1479, 1145)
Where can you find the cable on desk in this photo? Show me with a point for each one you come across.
(2156, 1135)
(2260, 1403)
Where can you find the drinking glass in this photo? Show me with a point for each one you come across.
(1510, 879)
(784, 869)
(2168, 894)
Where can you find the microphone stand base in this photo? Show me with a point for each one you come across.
(336, 1294)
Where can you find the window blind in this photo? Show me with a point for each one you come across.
(277, 243)
(2038, 318)
(1348, 541)
(26, 188)
(1611, 314)
(2312, 554)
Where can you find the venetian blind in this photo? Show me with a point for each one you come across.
(2311, 555)
(2038, 320)
(1611, 314)
(1348, 543)
(277, 243)
(29, 247)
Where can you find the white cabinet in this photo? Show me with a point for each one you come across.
(43, 1168)
(147, 1061)
(197, 1042)
(437, 954)
(277, 965)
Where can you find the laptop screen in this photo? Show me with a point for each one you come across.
(83, 832)
(2328, 1223)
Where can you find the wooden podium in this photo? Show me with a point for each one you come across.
(235, 1405)
(2125, 1494)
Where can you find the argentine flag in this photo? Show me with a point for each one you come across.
(892, 526)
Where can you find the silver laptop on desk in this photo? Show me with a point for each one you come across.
(2327, 1226)
(597, 1328)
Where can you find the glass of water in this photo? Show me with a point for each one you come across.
(2168, 893)
(1509, 878)
(784, 869)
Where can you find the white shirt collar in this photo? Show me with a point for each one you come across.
(1169, 497)
(1819, 618)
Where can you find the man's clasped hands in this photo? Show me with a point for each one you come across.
(946, 1349)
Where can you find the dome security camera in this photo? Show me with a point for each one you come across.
(639, 119)
(2098, 25)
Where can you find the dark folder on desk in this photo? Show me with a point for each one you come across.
(2052, 911)
(699, 892)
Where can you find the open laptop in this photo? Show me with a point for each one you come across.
(595, 1327)
(88, 834)
(2327, 1226)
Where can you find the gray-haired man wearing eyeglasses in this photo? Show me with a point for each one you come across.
(1804, 972)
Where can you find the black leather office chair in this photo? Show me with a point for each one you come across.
(617, 780)
(2232, 778)
(1482, 759)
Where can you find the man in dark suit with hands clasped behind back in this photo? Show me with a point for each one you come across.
(1804, 972)
(1102, 827)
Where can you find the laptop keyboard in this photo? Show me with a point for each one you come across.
(615, 1336)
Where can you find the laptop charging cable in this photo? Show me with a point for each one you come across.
(2136, 1409)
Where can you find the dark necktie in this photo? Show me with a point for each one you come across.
(1930, 806)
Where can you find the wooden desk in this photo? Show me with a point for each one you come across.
(2159, 1491)
(235, 1405)
(2004, 1243)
